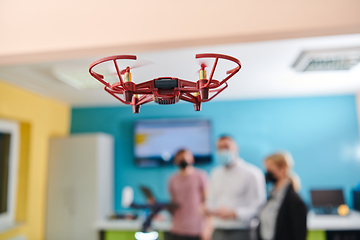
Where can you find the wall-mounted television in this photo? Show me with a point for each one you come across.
(157, 141)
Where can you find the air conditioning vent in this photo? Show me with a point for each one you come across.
(327, 59)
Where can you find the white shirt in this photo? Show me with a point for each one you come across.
(240, 188)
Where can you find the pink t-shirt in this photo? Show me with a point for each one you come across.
(187, 191)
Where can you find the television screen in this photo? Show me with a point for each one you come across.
(157, 141)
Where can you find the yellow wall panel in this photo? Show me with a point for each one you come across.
(40, 118)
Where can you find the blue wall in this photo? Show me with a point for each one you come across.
(321, 133)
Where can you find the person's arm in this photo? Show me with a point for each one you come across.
(204, 186)
(208, 228)
(172, 195)
(210, 195)
(255, 197)
(298, 216)
(208, 223)
(203, 192)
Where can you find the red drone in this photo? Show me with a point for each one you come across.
(165, 90)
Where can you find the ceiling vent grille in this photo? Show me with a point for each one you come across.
(327, 59)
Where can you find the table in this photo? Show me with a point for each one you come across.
(329, 227)
(321, 227)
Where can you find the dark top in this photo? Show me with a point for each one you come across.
(291, 220)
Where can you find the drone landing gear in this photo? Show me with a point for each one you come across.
(197, 106)
(135, 106)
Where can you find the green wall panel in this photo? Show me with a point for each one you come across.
(124, 235)
(316, 235)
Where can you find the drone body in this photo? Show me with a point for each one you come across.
(165, 90)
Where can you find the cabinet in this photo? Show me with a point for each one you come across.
(80, 185)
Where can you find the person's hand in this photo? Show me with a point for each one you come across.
(208, 229)
(207, 235)
(203, 210)
(225, 213)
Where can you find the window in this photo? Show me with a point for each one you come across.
(9, 141)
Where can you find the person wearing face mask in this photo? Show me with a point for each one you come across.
(236, 193)
(187, 188)
(284, 215)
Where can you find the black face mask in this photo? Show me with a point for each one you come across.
(183, 164)
(270, 178)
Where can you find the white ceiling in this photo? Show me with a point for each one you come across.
(266, 71)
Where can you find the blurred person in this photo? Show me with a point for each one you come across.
(187, 188)
(236, 193)
(284, 215)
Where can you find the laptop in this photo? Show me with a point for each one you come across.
(326, 202)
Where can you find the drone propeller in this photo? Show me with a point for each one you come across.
(202, 71)
(206, 66)
(138, 64)
(203, 65)
(126, 70)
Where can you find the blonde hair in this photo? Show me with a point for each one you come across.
(285, 160)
